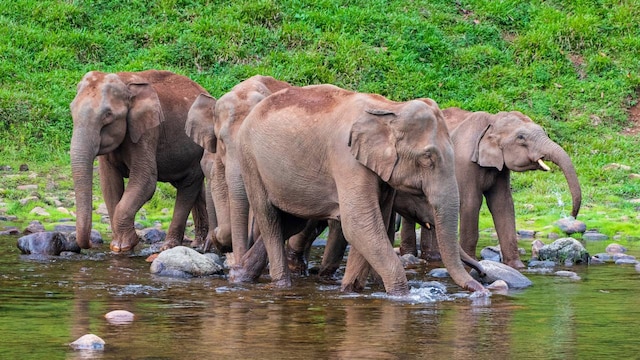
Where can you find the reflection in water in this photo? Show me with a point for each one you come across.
(45, 304)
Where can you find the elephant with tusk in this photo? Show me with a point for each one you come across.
(487, 148)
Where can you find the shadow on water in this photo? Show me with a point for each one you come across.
(47, 303)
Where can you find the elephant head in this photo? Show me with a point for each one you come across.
(513, 140)
(108, 110)
(410, 149)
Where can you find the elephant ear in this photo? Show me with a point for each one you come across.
(199, 125)
(373, 144)
(487, 151)
(145, 111)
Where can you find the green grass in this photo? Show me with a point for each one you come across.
(572, 66)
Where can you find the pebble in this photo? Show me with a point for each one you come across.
(88, 342)
(570, 225)
(615, 248)
(568, 274)
(119, 317)
(594, 235)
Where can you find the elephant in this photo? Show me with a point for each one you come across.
(322, 152)
(134, 123)
(213, 125)
(407, 206)
(487, 148)
(207, 163)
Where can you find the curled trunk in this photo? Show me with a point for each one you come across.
(558, 156)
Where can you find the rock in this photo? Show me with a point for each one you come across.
(536, 245)
(88, 342)
(568, 274)
(46, 243)
(499, 271)
(563, 250)
(491, 253)
(595, 260)
(615, 249)
(570, 225)
(182, 261)
(499, 286)
(39, 211)
(638, 267)
(410, 260)
(152, 235)
(95, 238)
(119, 317)
(102, 209)
(594, 235)
(8, 218)
(11, 230)
(64, 228)
(526, 234)
(27, 187)
(28, 199)
(541, 264)
(439, 273)
(33, 227)
(63, 210)
(24, 167)
(616, 166)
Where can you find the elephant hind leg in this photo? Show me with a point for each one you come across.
(186, 197)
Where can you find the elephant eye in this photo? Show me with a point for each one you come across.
(107, 116)
(520, 138)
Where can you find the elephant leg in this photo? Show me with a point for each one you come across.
(201, 221)
(220, 194)
(469, 217)
(500, 204)
(112, 186)
(238, 209)
(334, 250)
(211, 218)
(408, 237)
(429, 244)
(188, 191)
(299, 244)
(371, 240)
(356, 272)
(251, 265)
(136, 194)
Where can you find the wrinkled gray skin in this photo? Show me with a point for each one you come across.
(410, 207)
(321, 152)
(213, 125)
(134, 123)
(487, 148)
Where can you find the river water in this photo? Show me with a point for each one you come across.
(47, 303)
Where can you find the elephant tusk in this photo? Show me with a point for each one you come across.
(428, 226)
(543, 165)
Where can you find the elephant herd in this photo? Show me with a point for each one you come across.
(283, 163)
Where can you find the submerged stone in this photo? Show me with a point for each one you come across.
(491, 253)
(182, 261)
(46, 243)
(88, 342)
(119, 317)
(499, 271)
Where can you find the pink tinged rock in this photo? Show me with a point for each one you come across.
(88, 342)
(499, 286)
(119, 317)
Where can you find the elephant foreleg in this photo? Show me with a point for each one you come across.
(334, 250)
(500, 204)
(201, 221)
(408, 237)
(187, 193)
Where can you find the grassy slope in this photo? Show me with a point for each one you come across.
(572, 66)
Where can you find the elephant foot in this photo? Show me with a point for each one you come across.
(121, 247)
(297, 262)
(431, 256)
(516, 264)
(477, 288)
(238, 274)
(283, 283)
(352, 287)
(170, 243)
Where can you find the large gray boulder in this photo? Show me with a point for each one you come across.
(564, 251)
(498, 271)
(46, 243)
(182, 261)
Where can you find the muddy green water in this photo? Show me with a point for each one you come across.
(46, 304)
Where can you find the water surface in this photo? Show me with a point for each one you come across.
(47, 303)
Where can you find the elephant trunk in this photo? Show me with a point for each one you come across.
(446, 208)
(558, 156)
(82, 155)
